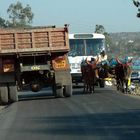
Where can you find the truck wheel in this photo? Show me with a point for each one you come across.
(13, 93)
(58, 91)
(4, 94)
(67, 90)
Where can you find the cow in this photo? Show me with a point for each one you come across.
(89, 74)
(122, 75)
(103, 72)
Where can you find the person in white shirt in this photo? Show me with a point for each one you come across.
(103, 63)
(102, 57)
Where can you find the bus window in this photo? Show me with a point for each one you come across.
(94, 46)
(77, 47)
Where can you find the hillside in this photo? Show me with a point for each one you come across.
(125, 44)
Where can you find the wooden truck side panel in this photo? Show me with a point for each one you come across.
(34, 40)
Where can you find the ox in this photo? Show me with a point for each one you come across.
(122, 73)
(89, 74)
(103, 72)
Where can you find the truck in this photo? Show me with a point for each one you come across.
(32, 59)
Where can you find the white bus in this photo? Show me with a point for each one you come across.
(83, 46)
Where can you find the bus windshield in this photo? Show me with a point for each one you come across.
(86, 47)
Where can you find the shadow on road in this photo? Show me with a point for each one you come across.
(115, 125)
(28, 95)
(46, 93)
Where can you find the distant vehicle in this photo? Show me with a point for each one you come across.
(82, 46)
(136, 65)
(135, 76)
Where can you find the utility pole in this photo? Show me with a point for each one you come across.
(137, 4)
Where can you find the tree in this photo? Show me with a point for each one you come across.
(3, 23)
(99, 29)
(137, 4)
(109, 43)
(19, 16)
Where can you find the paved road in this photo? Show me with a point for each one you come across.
(105, 115)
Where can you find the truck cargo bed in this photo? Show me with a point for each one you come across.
(30, 40)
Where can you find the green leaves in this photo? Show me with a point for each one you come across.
(137, 4)
(3, 23)
(19, 16)
(108, 40)
(99, 29)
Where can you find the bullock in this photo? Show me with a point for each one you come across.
(122, 74)
(89, 74)
(103, 72)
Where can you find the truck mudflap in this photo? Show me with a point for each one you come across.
(63, 77)
(63, 84)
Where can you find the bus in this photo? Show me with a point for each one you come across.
(82, 46)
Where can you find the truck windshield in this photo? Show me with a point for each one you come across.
(86, 47)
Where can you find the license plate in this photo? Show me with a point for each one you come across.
(35, 68)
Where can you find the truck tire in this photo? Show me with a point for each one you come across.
(58, 91)
(4, 94)
(13, 93)
(67, 90)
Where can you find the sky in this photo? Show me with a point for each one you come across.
(82, 15)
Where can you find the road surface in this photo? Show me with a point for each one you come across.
(104, 115)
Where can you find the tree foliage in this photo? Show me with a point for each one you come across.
(109, 43)
(99, 29)
(137, 4)
(3, 23)
(19, 16)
